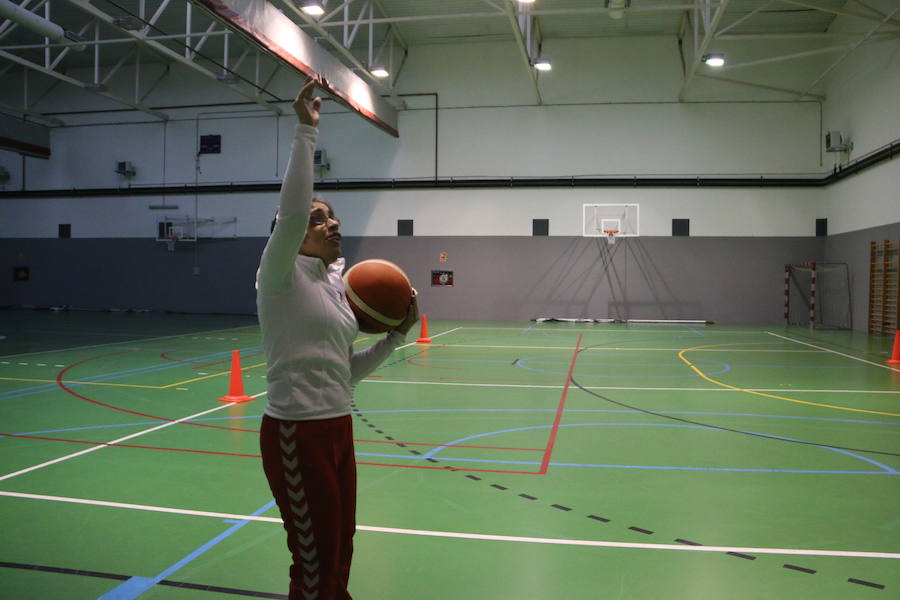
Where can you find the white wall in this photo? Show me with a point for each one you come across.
(864, 105)
(864, 87)
(602, 116)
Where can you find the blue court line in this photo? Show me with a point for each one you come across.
(434, 451)
(644, 467)
(114, 375)
(552, 360)
(39, 389)
(489, 410)
(136, 586)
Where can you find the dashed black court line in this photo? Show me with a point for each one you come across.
(801, 569)
(636, 529)
(164, 582)
(600, 519)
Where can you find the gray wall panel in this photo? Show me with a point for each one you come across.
(725, 280)
(132, 273)
(853, 248)
(720, 279)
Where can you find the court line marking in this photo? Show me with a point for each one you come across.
(468, 536)
(554, 429)
(614, 330)
(850, 356)
(116, 441)
(129, 385)
(617, 349)
(432, 337)
(625, 388)
(133, 341)
(807, 402)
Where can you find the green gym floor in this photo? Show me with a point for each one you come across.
(502, 461)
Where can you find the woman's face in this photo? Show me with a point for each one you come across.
(323, 240)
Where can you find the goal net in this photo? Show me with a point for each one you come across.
(818, 295)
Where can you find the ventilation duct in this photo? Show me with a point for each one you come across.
(40, 25)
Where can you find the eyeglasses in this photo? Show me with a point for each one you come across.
(317, 218)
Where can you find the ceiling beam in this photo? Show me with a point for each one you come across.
(523, 49)
(34, 115)
(840, 11)
(798, 36)
(796, 93)
(806, 53)
(345, 53)
(172, 55)
(81, 84)
(708, 35)
(865, 39)
(536, 13)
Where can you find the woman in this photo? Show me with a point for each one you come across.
(308, 331)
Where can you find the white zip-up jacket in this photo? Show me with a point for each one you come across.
(307, 326)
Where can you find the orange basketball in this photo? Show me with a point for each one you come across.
(379, 293)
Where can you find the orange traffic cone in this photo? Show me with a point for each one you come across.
(423, 335)
(236, 385)
(895, 356)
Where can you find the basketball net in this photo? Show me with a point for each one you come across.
(610, 235)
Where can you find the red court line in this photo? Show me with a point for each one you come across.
(59, 382)
(165, 356)
(448, 468)
(483, 380)
(447, 445)
(559, 411)
(38, 437)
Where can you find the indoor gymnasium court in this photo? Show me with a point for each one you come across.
(655, 250)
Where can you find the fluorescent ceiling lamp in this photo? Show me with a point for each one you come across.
(541, 64)
(379, 72)
(313, 8)
(526, 1)
(714, 60)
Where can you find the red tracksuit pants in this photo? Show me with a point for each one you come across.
(311, 470)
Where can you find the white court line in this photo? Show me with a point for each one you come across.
(432, 337)
(630, 389)
(624, 330)
(134, 341)
(862, 360)
(470, 536)
(117, 441)
(596, 349)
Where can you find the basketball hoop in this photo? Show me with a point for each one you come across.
(611, 235)
(170, 242)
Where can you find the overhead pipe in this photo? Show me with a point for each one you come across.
(888, 152)
(38, 24)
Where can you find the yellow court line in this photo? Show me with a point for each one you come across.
(128, 385)
(209, 376)
(153, 387)
(731, 387)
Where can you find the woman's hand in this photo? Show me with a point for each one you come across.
(411, 316)
(307, 107)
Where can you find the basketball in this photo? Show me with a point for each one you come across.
(379, 293)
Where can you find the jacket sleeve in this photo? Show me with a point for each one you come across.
(293, 213)
(362, 363)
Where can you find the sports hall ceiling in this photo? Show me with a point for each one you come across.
(128, 36)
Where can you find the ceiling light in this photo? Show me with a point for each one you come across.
(714, 60)
(617, 8)
(313, 8)
(541, 64)
(526, 1)
(379, 72)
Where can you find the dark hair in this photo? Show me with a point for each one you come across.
(322, 200)
(319, 199)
